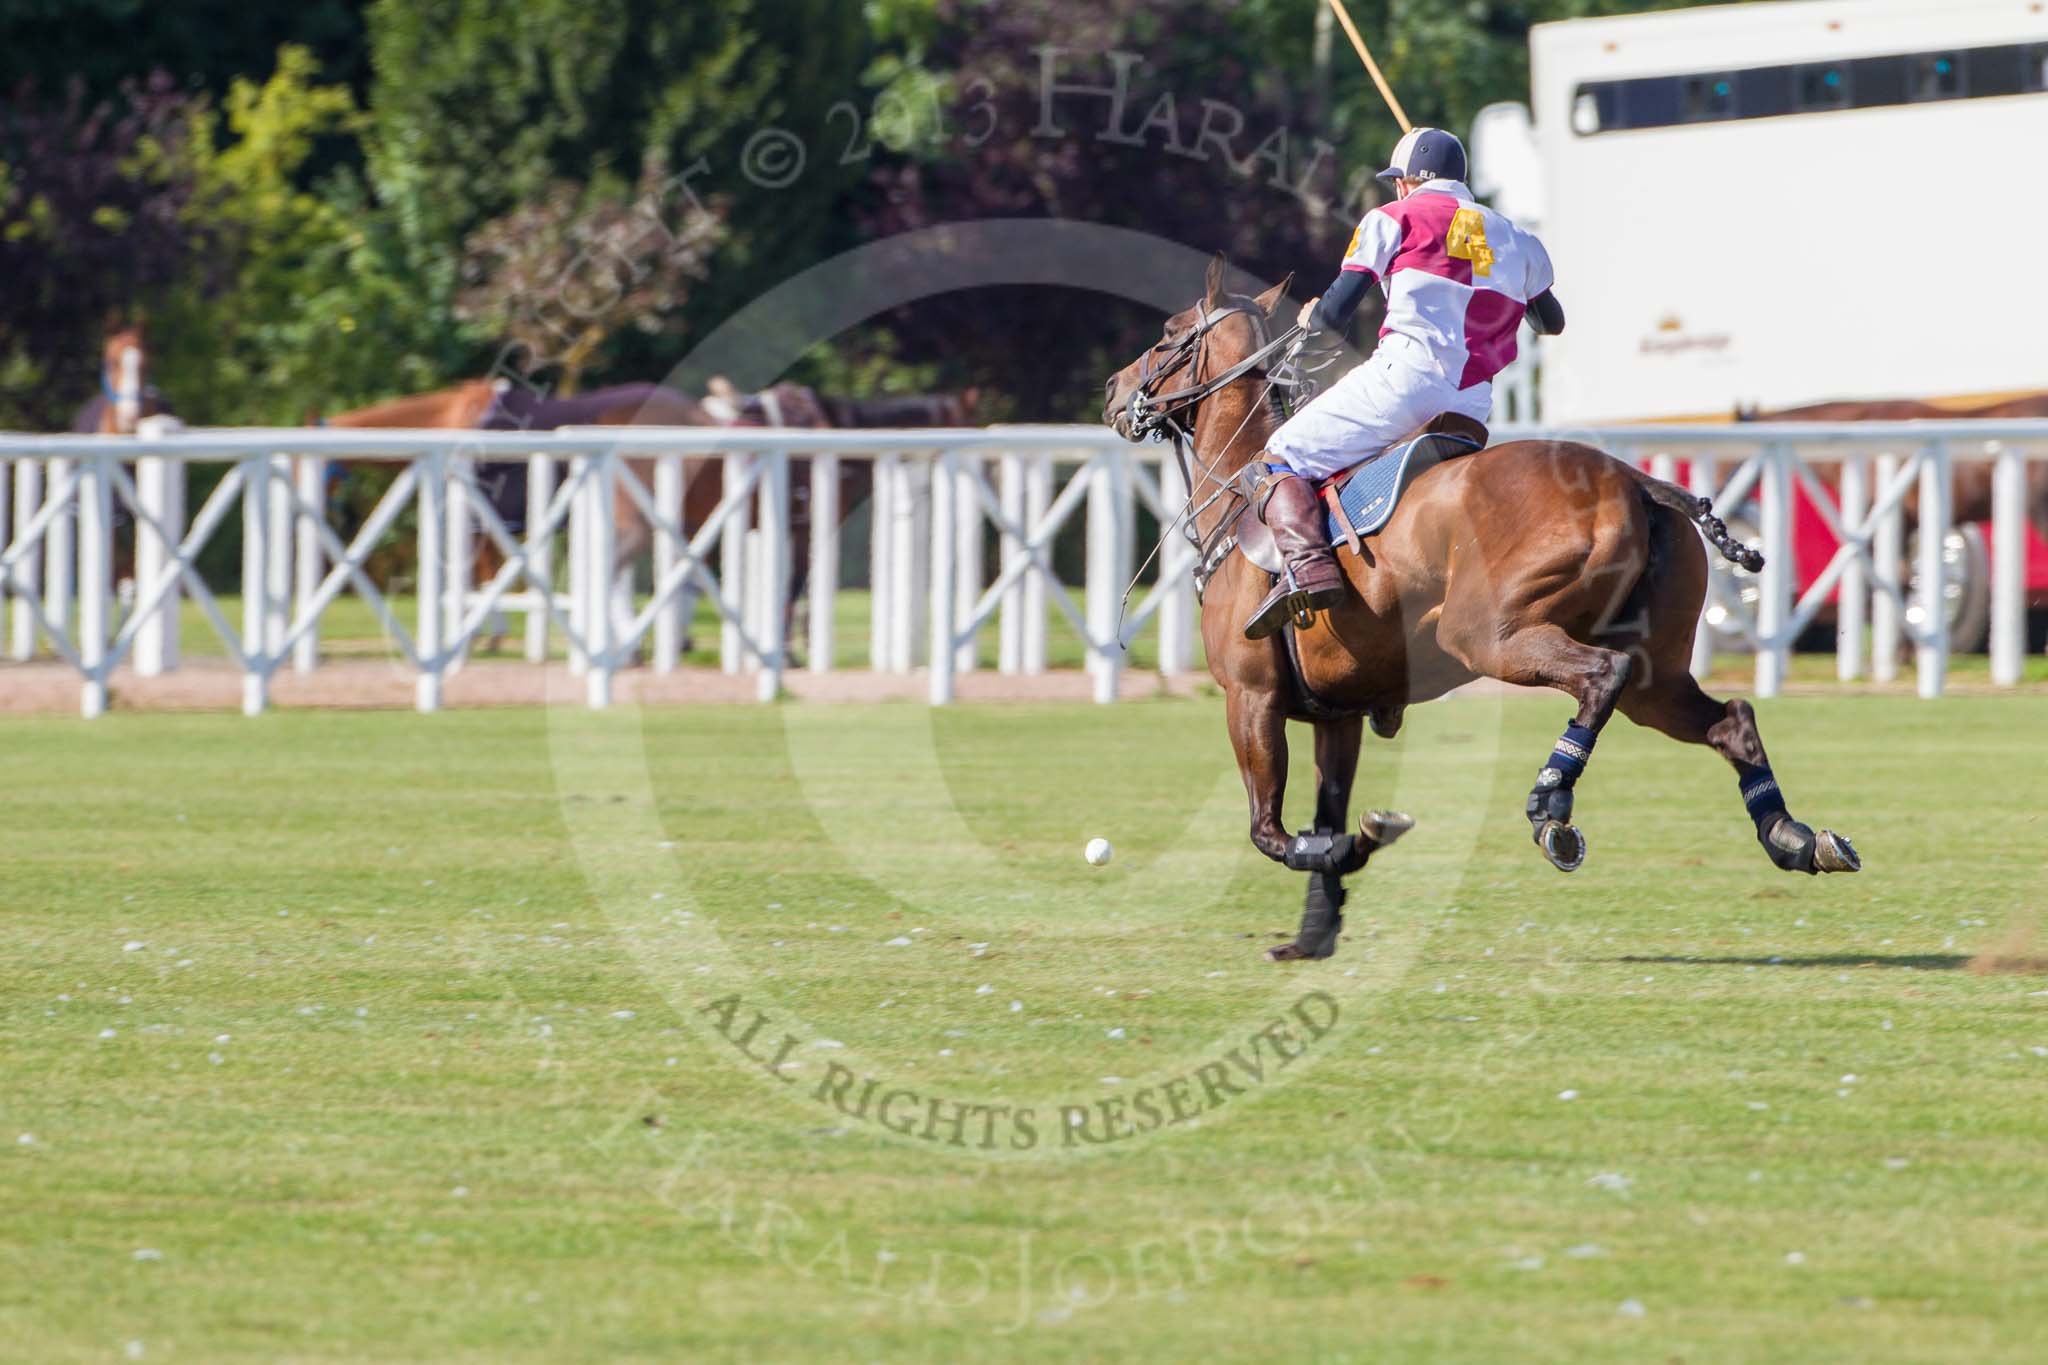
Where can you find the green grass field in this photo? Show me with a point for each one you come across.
(375, 1037)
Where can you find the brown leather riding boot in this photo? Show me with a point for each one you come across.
(1310, 580)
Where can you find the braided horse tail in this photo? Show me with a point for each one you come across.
(1700, 512)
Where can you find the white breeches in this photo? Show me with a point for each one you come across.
(1384, 399)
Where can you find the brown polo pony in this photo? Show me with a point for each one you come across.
(1542, 563)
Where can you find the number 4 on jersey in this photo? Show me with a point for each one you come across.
(1467, 241)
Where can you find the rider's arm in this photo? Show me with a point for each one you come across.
(1341, 300)
(1372, 250)
(1546, 314)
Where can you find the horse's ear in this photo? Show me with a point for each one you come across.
(1270, 300)
(1219, 268)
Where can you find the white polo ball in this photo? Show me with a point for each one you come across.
(1098, 852)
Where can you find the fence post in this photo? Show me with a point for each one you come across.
(278, 559)
(969, 568)
(1705, 482)
(1887, 554)
(1109, 514)
(1774, 584)
(668, 501)
(433, 562)
(599, 570)
(881, 559)
(1852, 601)
(579, 564)
(461, 551)
(60, 554)
(1009, 549)
(1037, 504)
(2008, 566)
(1932, 648)
(255, 575)
(944, 652)
(775, 580)
(28, 500)
(540, 551)
(732, 567)
(160, 488)
(823, 588)
(95, 570)
(1176, 584)
(311, 471)
(910, 513)
(6, 525)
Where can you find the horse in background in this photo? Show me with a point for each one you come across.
(126, 399)
(126, 396)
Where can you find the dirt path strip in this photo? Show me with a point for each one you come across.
(379, 685)
(53, 689)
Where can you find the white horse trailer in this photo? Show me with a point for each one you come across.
(1775, 204)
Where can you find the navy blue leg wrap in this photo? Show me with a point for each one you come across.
(1571, 754)
(1552, 799)
(1761, 795)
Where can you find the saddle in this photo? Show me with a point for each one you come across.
(1359, 501)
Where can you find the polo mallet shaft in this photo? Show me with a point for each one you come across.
(1372, 67)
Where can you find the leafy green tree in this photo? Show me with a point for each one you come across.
(492, 104)
(310, 308)
(563, 274)
(97, 210)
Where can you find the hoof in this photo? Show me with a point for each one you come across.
(1563, 844)
(1833, 852)
(1299, 951)
(1381, 828)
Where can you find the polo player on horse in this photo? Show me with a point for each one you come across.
(1459, 278)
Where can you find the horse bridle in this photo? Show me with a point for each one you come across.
(1151, 413)
(1171, 414)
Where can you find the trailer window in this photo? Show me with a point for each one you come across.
(1652, 103)
(1937, 76)
(1878, 81)
(1709, 98)
(1809, 88)
(1996, 70)
(1767, 91)
(1823, 86)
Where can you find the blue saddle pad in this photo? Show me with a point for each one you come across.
(1374, 489)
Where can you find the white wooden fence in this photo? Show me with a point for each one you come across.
(934, 492)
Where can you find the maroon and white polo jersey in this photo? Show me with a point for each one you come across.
(1458, 277)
